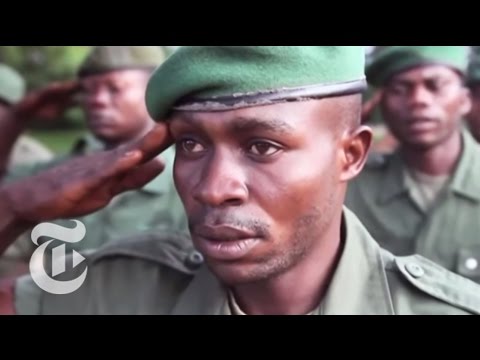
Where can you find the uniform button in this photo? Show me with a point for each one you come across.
(471, 263)
(194, 260)
(415, 270)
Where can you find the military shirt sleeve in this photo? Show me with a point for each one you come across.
(420, 286)
(143, 275)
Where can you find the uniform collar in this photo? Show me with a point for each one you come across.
(359, 285)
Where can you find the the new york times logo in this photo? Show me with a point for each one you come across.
(56, 257)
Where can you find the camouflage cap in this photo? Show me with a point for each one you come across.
(12, 85)
(109, 58)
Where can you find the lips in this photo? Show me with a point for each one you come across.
(223, 233)
(421, 123)
(97, 121)
(225, 242)
(422, 117)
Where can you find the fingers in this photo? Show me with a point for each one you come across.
(60, 94)
(47, 102)
(52, 92)
(116, 165)
(154, 142)
(140, 176)
(94, 172)
(59, 88)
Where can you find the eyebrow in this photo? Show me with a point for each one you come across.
(246, 124)
(250, 124)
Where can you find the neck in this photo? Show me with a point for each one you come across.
(437, 160)
(301, 289)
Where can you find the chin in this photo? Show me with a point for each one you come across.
(424, 142)
(232, 274)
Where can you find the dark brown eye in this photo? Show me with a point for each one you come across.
(262, 148)
(191, 146)
(398, 89)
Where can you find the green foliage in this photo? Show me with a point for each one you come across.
(41, 65)
(60, 141)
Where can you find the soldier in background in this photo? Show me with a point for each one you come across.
(110, 89)
(425, 197)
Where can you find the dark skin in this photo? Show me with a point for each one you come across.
(473, 116)
(76, 188)
(114, 105)
(369, 106)
(263, 189)
(80, 186)
(423, 107)
(386, 142)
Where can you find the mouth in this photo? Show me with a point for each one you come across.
(225, 242)
(421, 124)
(97, 121)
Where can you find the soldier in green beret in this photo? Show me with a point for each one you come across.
(424, 198)
(473, 83)
(110, 89)
(267, 140)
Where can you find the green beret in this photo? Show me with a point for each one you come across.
(216, 78)
(12, 85)
(473, 73)
(391, 60)
(109, 58)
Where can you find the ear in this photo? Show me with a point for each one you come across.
(355, 148)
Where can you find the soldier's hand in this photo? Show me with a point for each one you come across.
(47, 103)
(86, 184)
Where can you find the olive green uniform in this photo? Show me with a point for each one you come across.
(153, 275)
(446, 232)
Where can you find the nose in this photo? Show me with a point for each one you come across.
(97, 98)
(420, 97)
(222, 181)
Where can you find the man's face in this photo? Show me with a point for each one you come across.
(261, 185)
(114, 104)
(424, 106)
(473, 116)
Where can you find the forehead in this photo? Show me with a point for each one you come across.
(284, 117)
(130, 76)
(427, 72)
